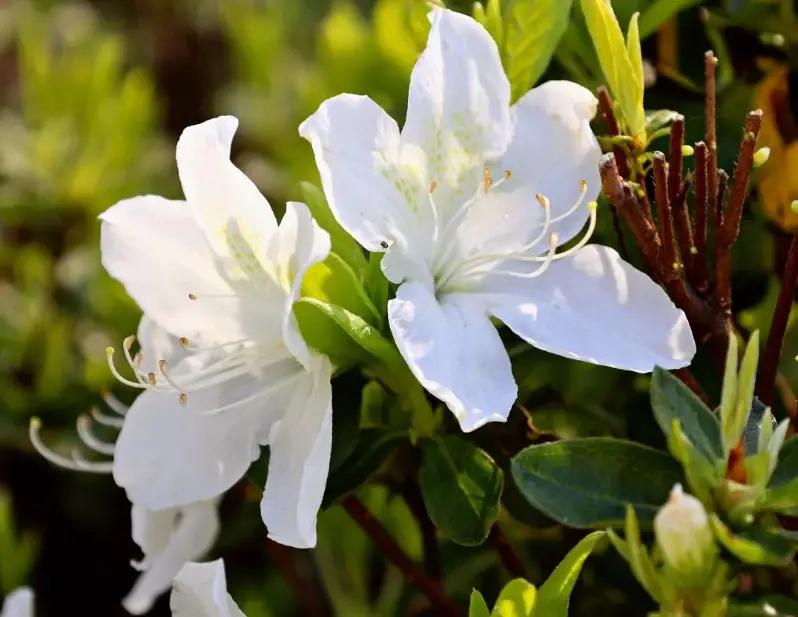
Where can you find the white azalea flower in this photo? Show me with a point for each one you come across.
(217, 272)
(168, 538)
(200, 590)
(470, 202)
(19, 603)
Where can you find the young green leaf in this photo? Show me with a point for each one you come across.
(702, 475)
(532, 32)
(342, 243)
(340, 334)
(670, 399)
(477, 606)
(377, 287)
(555, 594)
(517, 599)
(461, 486)
(589, 482)
(335, 282)
(734, 418)
(782, 494)
(660, 11)
(756, 546)
(641, 563)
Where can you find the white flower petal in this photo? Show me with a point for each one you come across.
(458, 110)
(357, 149)
(230, 208)
(455, 352)
(553, 148)
(170, 539)
(595, 307)
(299, 460)
(298, 244)
(155, 249)
(169, 455)
(19, 603)
(200, 590)
(157, 343)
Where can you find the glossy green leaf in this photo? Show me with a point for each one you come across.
(670, 398)
(554, 595)
(342, 243)
(365, 459)
(533, 30)
(589, 482)
(756, 546)
(335, 282)
(517, 599)
(660, 11)
(477, 606)
(702, 475)
(377, 287)
(461, 486)
(782, 494)
(341, 335)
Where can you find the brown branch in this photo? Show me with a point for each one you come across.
(622, 198)
(313, 604)
(670, 267)
(710, 132)
(691, 382)
(510, 560)
(608, 113)
(432, 589)
(707, 326)
(733, 215)
(769, 366)
(677, 193)
(718, 215)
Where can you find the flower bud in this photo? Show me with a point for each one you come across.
(686, 539)
(761, 156)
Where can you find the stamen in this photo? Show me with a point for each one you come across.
(34, 431)
(151, 378)
(432, 186)
(434, 208)
(487, 180)
(115, 404)
(101, 418)
(265, 392)
(182, 399)
(593, 206)
(109, 354)
(192, 297)
(183, 342)
(90, 439)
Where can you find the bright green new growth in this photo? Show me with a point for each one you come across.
(621, 62)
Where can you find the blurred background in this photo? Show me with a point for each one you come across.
(93, 96)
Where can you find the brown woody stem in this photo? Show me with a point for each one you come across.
(768, 369)
(670, 267)
(510, 560)
(441, 603)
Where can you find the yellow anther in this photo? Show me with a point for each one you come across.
(543, 200)
(138, 358)
(432, 186)
(182, 399)
(183, 341)
(162, 365)
(507, 174)
(151, 378)
(582, 186)
(592, 205)
(192, 297)
(487, 179)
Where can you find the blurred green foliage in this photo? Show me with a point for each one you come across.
(93, 96)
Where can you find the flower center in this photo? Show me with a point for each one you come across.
(451, 273)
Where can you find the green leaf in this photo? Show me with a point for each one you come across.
(342, 243)
(517, 599)
(364, 461)
(659, 119)
(533, 30)
(341, 335)
(782, 493)
(461, 486)
(638, 557)
(623, 76)
(659, 12)
(769, 606)
(756, 546)
(589, 482)
(734, 422)
(702, 476)
(333, 281)
(377, 287)
(555, 594)
(671, 399)
(477, 606)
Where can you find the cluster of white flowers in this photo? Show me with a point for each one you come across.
(471, 203)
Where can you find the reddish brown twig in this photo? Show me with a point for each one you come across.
(769, 366)
(691, 382)
(284, 557)
(510, 560)
(614, 129)
(432, 589)
(677, 194)
(710, 133)
(429, 537)
(670, 268)
(699, 275)
(733, 215)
